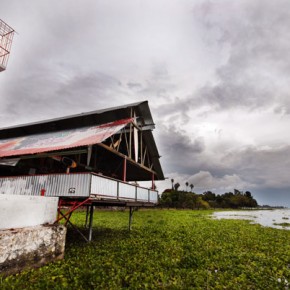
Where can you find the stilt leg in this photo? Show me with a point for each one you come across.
(91, 222)
(130, 217)
(69, 222)
(87, 217)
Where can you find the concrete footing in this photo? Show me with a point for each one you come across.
(30, 247)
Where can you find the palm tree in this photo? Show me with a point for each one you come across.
(191, 187)
(186, 184)
(176, 186)
(172, 181)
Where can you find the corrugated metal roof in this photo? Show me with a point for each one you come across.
(86, 118)
(63, 139)
(91, 119)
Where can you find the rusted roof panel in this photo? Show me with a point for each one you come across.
(63, 139)
(97, 117)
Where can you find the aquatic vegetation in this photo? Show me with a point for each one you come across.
(282, 224)
(166, 249)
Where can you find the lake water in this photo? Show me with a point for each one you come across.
(267, 218)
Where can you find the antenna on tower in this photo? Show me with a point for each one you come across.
(6, 37)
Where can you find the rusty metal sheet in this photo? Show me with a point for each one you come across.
(73, 185)
(52, 141)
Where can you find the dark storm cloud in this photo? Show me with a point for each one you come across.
(47, 96)
(180, 150)
(176, 106)
(186, 154)
(254, 168)
(90, 88)
(194, 64)
(263, 167)
(258, 40)
(254, 76)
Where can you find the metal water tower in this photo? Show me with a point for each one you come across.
(6, 37)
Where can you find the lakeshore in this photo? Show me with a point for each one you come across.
(275, 218)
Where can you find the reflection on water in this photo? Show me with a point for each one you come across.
(277, 218)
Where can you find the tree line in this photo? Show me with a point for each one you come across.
(184, 199)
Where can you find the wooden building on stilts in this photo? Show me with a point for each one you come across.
(90, 159)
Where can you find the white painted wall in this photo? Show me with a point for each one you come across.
(18, 211)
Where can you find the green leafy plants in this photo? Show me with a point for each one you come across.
(282, 224)
(166, 249)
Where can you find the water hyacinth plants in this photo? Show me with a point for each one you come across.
(166, 249)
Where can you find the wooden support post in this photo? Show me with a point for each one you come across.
(125, 170)
(89, 155)
(91, 222)
(130, 137)
(141, 147)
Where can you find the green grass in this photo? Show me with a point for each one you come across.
(167, 249)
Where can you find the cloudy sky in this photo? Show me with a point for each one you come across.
(216, 75)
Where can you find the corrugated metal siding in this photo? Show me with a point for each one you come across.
(127, 191)
(142, 194)
(72, 185)
(75, 185)
(153, 196)
(104, 187)
(17, 185)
